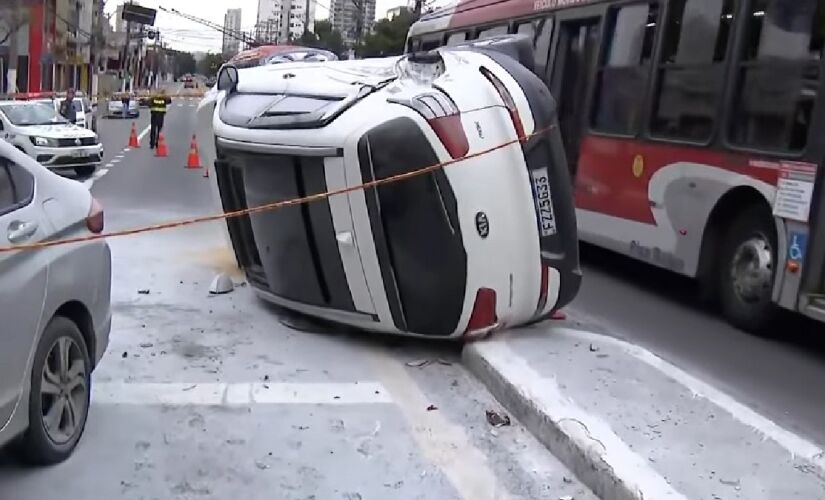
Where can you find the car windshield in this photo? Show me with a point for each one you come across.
(34, 113)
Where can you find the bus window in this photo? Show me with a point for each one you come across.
(624, 71)
(430, 43)
(778, 76)
(494, 31)
(526, 29)
(692, 70)
(456, 38)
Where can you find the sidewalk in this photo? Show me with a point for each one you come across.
(633, 426)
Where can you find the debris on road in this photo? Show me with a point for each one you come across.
(143, 291)
(497, 419)
(124, 355)
(593, 348)
(421, 363)
(146, 345)
(221, 284)
(432, 407)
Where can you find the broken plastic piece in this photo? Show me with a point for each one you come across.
(221, 284)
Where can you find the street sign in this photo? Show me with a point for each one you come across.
(139, 14)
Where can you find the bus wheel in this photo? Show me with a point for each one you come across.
(747, 271)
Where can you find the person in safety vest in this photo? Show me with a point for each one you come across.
(157, 106)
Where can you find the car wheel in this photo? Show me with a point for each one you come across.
(747, 271)
(60, 394)
(85, 170)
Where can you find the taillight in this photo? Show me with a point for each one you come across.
(509, 103)
(483, 316)
(444, 117)
(94, 221)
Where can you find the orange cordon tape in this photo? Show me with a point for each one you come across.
(270, 206)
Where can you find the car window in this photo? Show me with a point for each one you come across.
(31, 113)
(16, 186)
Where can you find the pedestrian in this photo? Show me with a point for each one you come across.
(66, 108)
(157, 106)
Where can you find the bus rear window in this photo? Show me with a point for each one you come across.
(778, 76)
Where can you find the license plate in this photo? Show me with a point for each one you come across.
(544, 201)
(79, 154)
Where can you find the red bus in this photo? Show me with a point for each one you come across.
(694, 131)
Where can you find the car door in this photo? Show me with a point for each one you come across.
(22, 280)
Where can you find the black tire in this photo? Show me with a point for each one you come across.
(757, 312)
(85, 170)
(36, 446)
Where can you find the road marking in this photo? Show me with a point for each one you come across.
(794, 444)
(109, 165)
(444, 443)
(115, 160)
(100, 173)
(239, 394)
(143, 133)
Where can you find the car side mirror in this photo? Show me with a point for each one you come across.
(227, 78)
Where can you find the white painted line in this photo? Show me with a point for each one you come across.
(219, 394)
(586, 430)
(444, 443)
(100, 173)
(794, 444)
(115, 160)
(109, 165)
(144, 132)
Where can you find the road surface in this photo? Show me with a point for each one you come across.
(215, 397)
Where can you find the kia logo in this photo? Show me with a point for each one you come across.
(482, 225)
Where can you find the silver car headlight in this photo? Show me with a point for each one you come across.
(43, 142)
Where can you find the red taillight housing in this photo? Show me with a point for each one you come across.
(509, 102)
(94, 221)
(443, 116)
(483, 318)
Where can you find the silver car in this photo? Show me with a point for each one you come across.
(55, 307)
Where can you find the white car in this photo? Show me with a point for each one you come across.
(116, 107)
(36, 129)
(55, 307)
(485, 243)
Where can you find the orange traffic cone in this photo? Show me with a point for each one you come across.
(161, 150)
(194, 160)
(133, 139)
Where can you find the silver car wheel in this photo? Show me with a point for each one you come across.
(63, 390)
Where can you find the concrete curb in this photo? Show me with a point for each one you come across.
(587, 446)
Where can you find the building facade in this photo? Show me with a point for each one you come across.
(53, 45)
(283, 21)
(232, 24)
(353, 19)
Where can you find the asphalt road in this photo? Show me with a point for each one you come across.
(221, 397)
(780, 376)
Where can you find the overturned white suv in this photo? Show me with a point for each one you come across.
(486, 242)
(36, 129)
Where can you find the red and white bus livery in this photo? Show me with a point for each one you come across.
(693, 129)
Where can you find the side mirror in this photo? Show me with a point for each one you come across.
(227, 78)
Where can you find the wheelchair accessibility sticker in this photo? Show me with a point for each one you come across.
(797, 246)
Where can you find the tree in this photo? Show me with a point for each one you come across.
(183, 62)
(327, 37)
(388, 36)
(211, 63)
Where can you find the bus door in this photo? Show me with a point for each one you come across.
(572, 74)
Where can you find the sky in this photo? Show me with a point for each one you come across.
(182, 34)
